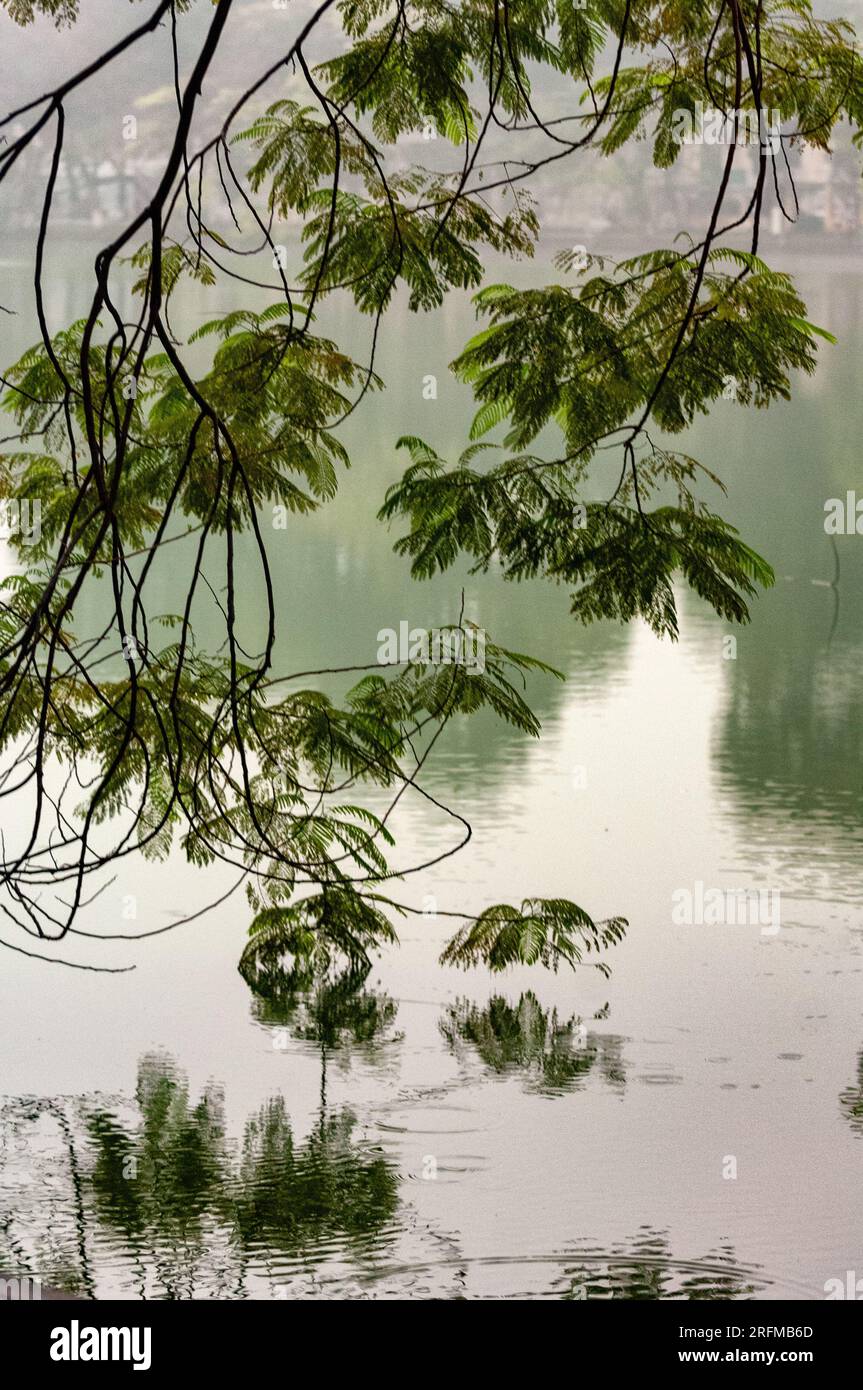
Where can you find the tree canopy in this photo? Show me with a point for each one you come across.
(129, 448)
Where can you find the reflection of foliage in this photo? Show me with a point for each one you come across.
(330, 1010)
(852, 1099)
(173, 1189)
(291, 1197)
(162, 1178)
(554, 1055)
(789, 748)
(20, 1122)
(646, 1269)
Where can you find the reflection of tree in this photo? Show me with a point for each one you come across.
(332, 1010)
(160, 1184)
(17, 1116)
(553, 1055)
(282, 1194)
(851, 1099)
(646, 1269)
(788, 747)
(321, 1005)
(171, 1197)
(172, 1187)
(292, 1198)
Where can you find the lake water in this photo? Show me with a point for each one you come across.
(691, 1127)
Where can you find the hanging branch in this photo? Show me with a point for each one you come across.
(129, 450)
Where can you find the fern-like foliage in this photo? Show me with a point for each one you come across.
(548, 931)
(590, 357)
(337, 923)
(126, 446)
(623, 559)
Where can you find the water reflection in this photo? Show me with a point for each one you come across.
(788, 746)
(165, 1205)
(333, 1011)
(293, 1198)
(551, 1055)
(162, 1204)
(646, 1268)
(283, 1200)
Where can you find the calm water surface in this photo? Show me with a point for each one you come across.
(166, 1133)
